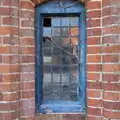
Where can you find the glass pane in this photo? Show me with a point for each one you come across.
(55, 21)
(46, 31)
(65, 31)
(61, 59)
(74, 31)
(56, 31)
(74, 21)
(65, 21)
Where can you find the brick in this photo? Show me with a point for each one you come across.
(94, 103)
(10, 97)
(10, 78)
(73, 117)
(27, 68)
(93, 40)
(94, 67)
(4, 11)
(12, 59)
(10, 21)
(11, 40)
(27, 41)
(93, 76)
(111, 114)
(11, 69)
(27, 32)
(110, 11)
(28, 50)
(111, 49)
(111, 39)
(28, 108)
(111, 67)
(110, 2)
(27, 77)
(111, 96)
(27, 14)
(27, 23)
(111, 105)
(27, 59)
(8, 116)
(112, 30)
(93, 23)
(110, 58)
(111, 86)
(110, 20)
(94, 32)
(4, 30)
(49, 117)
(9, 106)
(8, 11)
(111, 77)
(93, 5)
(94, 111)
(10, 87)
(94, 14)
(26, 5)
(94, 94)
(91, 117)
(27, 85)
(10, 2)
(28, 118)
(93, 58)
(28, 94)
(93, 49)
(4, 50)
(95, 85)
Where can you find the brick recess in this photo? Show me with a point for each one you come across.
(17, 60)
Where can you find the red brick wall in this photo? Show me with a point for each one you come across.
(17, 60)
(111, 58)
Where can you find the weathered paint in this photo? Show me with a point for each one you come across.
(53, 8)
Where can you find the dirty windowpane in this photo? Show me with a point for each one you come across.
(60, 59)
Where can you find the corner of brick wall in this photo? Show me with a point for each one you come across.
(17, 60)
(94, 60)
(9, 60)
(111, 58)
(27, 59)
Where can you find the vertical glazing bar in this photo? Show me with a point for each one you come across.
(60, 66)
(51, 49)
(69, 66)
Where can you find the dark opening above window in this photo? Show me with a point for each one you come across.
(47, 22)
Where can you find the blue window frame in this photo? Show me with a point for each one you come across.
(53, 16)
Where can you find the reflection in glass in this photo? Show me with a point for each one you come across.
(74, 21)
(56, 31)
(74, 31)
(55, 21)
(46, 31)
(60, 57)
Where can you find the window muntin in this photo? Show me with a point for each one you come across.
(61, 58)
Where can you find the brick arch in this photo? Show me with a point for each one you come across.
(36, 2)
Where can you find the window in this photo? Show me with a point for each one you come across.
(60, 58)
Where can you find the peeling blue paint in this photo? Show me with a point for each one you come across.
(59, 106)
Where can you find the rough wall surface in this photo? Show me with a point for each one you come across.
(17, 60)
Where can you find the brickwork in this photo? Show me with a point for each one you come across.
(111, 58)
(17, 60)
